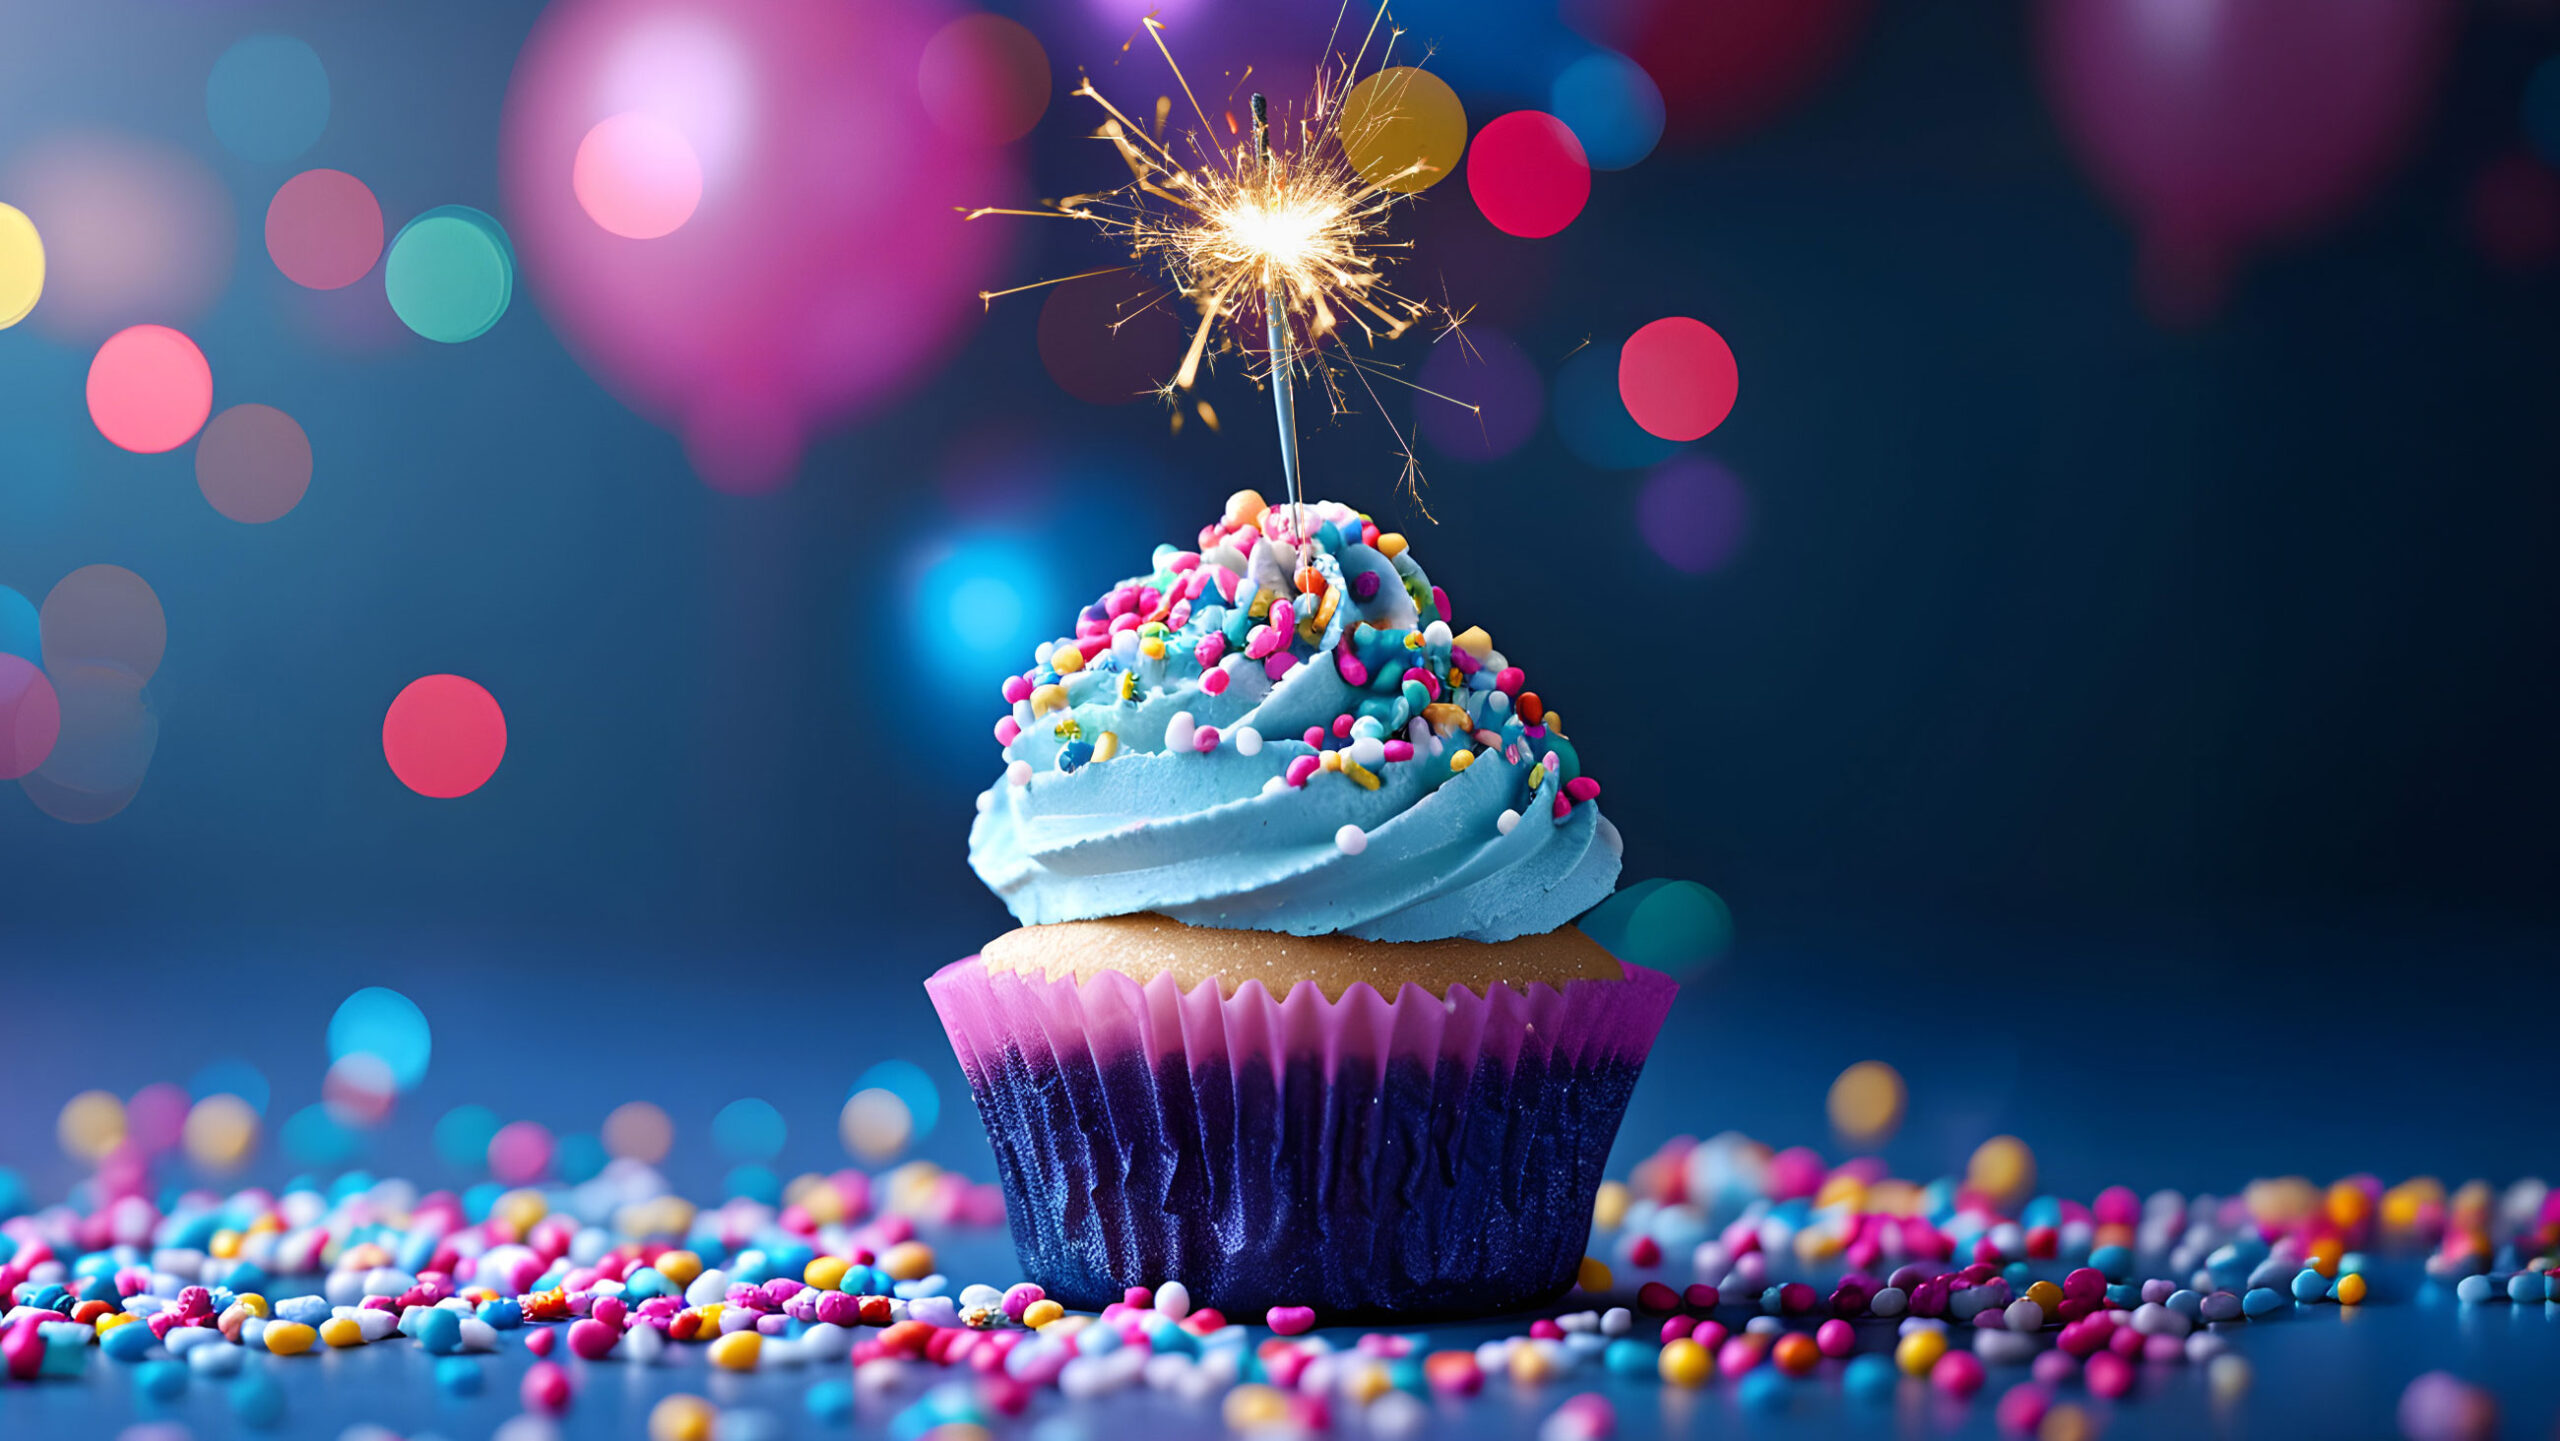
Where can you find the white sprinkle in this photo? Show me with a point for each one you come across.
(1173, 1299)
(1497, 702)
(1179, 731)
(1022, 714)
(1124, 644)
(1020, 774)
(1436, 633)
(986, 801)
(1503, 822)
(1248, 740)
(1351, 840)
(1369, 751)
(1275, 785)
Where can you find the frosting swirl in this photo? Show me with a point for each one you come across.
(1240, 740)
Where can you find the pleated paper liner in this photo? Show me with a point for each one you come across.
(1411, 1158)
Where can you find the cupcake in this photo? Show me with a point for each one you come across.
(1296, 1014)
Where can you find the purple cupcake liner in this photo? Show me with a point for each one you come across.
(1410, 1158)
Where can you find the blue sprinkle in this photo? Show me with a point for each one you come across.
(2189, 1304)
(257, 1401)
(1870, 1378)
(1629, 1357)
(2310, 1285)
(161, 1380)
(830, 1403)
(1764, 1389)
(2474, 1289)
(2113, 1262)
(460, 1376)
(2528, 1286)
(501, 1314)
(2260, 1301)
(439, 1332)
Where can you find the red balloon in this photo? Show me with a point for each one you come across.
(1725, 67)
(2225, 125)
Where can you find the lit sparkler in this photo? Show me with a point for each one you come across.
(1290, 233)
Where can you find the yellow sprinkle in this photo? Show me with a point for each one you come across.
(1609, 1207)
(1106, 745)
(1413, 640)
(1255, 1405)
(1532, 1362)
(1919, 1351)
(681, 1418)
(1818, 1243)
(1445, 718)
(1066, 660)
(1329, 760)
(1461, 759)
(256, 1303)
(1048, 698)
(2351, 1289)
(1474, 642)
(1261, 607)
(114, 1319)
(1841, 1188)
(1366, 1382)
(266, 1225)
(1594, 1275)
(1151, 648)
(1360, 773)
(1537, 775)
(2066, 1422)
(341, 1332)
(521, 1209)
(738, 1350)
(826, 1273)
(1553, 722)
(226, 1244)
(711, 1317)
(679, 1266)
(1391, 545)
(1041, 1313)
(908, 1261)
(289, 1338)
(2047, 1295)
(1686, 1363)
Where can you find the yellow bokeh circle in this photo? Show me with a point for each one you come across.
(876, 1124)
(1866, 1102)
(21, 265)
(220, 1131)
(2002, 1168)
(91, 1125)
(1403, 129)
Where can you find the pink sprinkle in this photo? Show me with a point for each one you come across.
(1465, 660)
(1430, 683)
(2023, 1409)
(1140, 1297)
(1205, 739)
(1678, 1327)
(1958, 1373)
(1187, 560)
(2108, 1375)
(1564, 808)
(1214, 681)
(1545, 1329)
(1093, 645)
(1120, 602)
(546, 1387)
(1646, 1252)
(1130, 621)
(1315, 737)
(540, 1341)
(1582, 788)
(1008, 730)
(1399, 750)
(1836, 1337)
(592, 1340)
(1279, 665)
(1290, 1320)
(1510, 680)
(1261, 641)
(1342, 727)
(1211, 647)
(1440, 602)
(1017, 689)
(1301, 769)
(1284, 617)
(1348, 666)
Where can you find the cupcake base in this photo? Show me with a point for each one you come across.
(1411, 1158)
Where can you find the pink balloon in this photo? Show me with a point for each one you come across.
(2226, 125)
(790, 253)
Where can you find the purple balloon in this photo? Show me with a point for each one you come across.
(1694, 514)
(2224, 125)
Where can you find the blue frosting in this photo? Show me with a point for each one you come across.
(1110, 804)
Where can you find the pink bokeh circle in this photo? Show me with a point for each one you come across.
(825, 267)
(30, 716)
(324, 229)
(637, 176)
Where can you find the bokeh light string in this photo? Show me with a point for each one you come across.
(1281, 232)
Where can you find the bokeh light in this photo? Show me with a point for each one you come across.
(1866, 1103)
(2542, 108)
(639, 1131)
(2514, 212)
(462, 1136)
(978, 605)
(109, 734)
(637, 176)
(379, 1021)
(1528, 174)
(312, 1137)
(104, 613)
(520, 1153)
(21, 629)
(1727, 66)
(220, 1132)
(154, 1116)
(827, 267)
(149, 389)
(324, 229)
(268, 98)
(253, 464)
(21, 265)
(1611, 106)
(1694, 514)
(90, 1126)
(876, 1124)
(749, 1129)
(450, 274)
(235, 1077)
(578, 1156)
(444, 736)
(133, 231)
(1593, 422)
(358, 1090)
(2003, 1169)
(30, 716)
(1677, 378)
(984, 79)
(1677, 927)
(907, 1081)
(1400, 117)
(1108, 340)
(1487, 370)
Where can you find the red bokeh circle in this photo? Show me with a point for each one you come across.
(1678, 378)
(324, 229)
(444, 736)
(1528, 174)
(149, 389)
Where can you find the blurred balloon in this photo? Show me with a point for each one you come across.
(637, 176)
(2226, 125)
(1724, 67)
(824, 267)
(133, 231)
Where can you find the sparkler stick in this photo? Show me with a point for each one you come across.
(1283, 388)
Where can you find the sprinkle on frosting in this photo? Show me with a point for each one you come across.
(1279, 730)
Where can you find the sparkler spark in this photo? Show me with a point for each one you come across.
(1276, 232)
